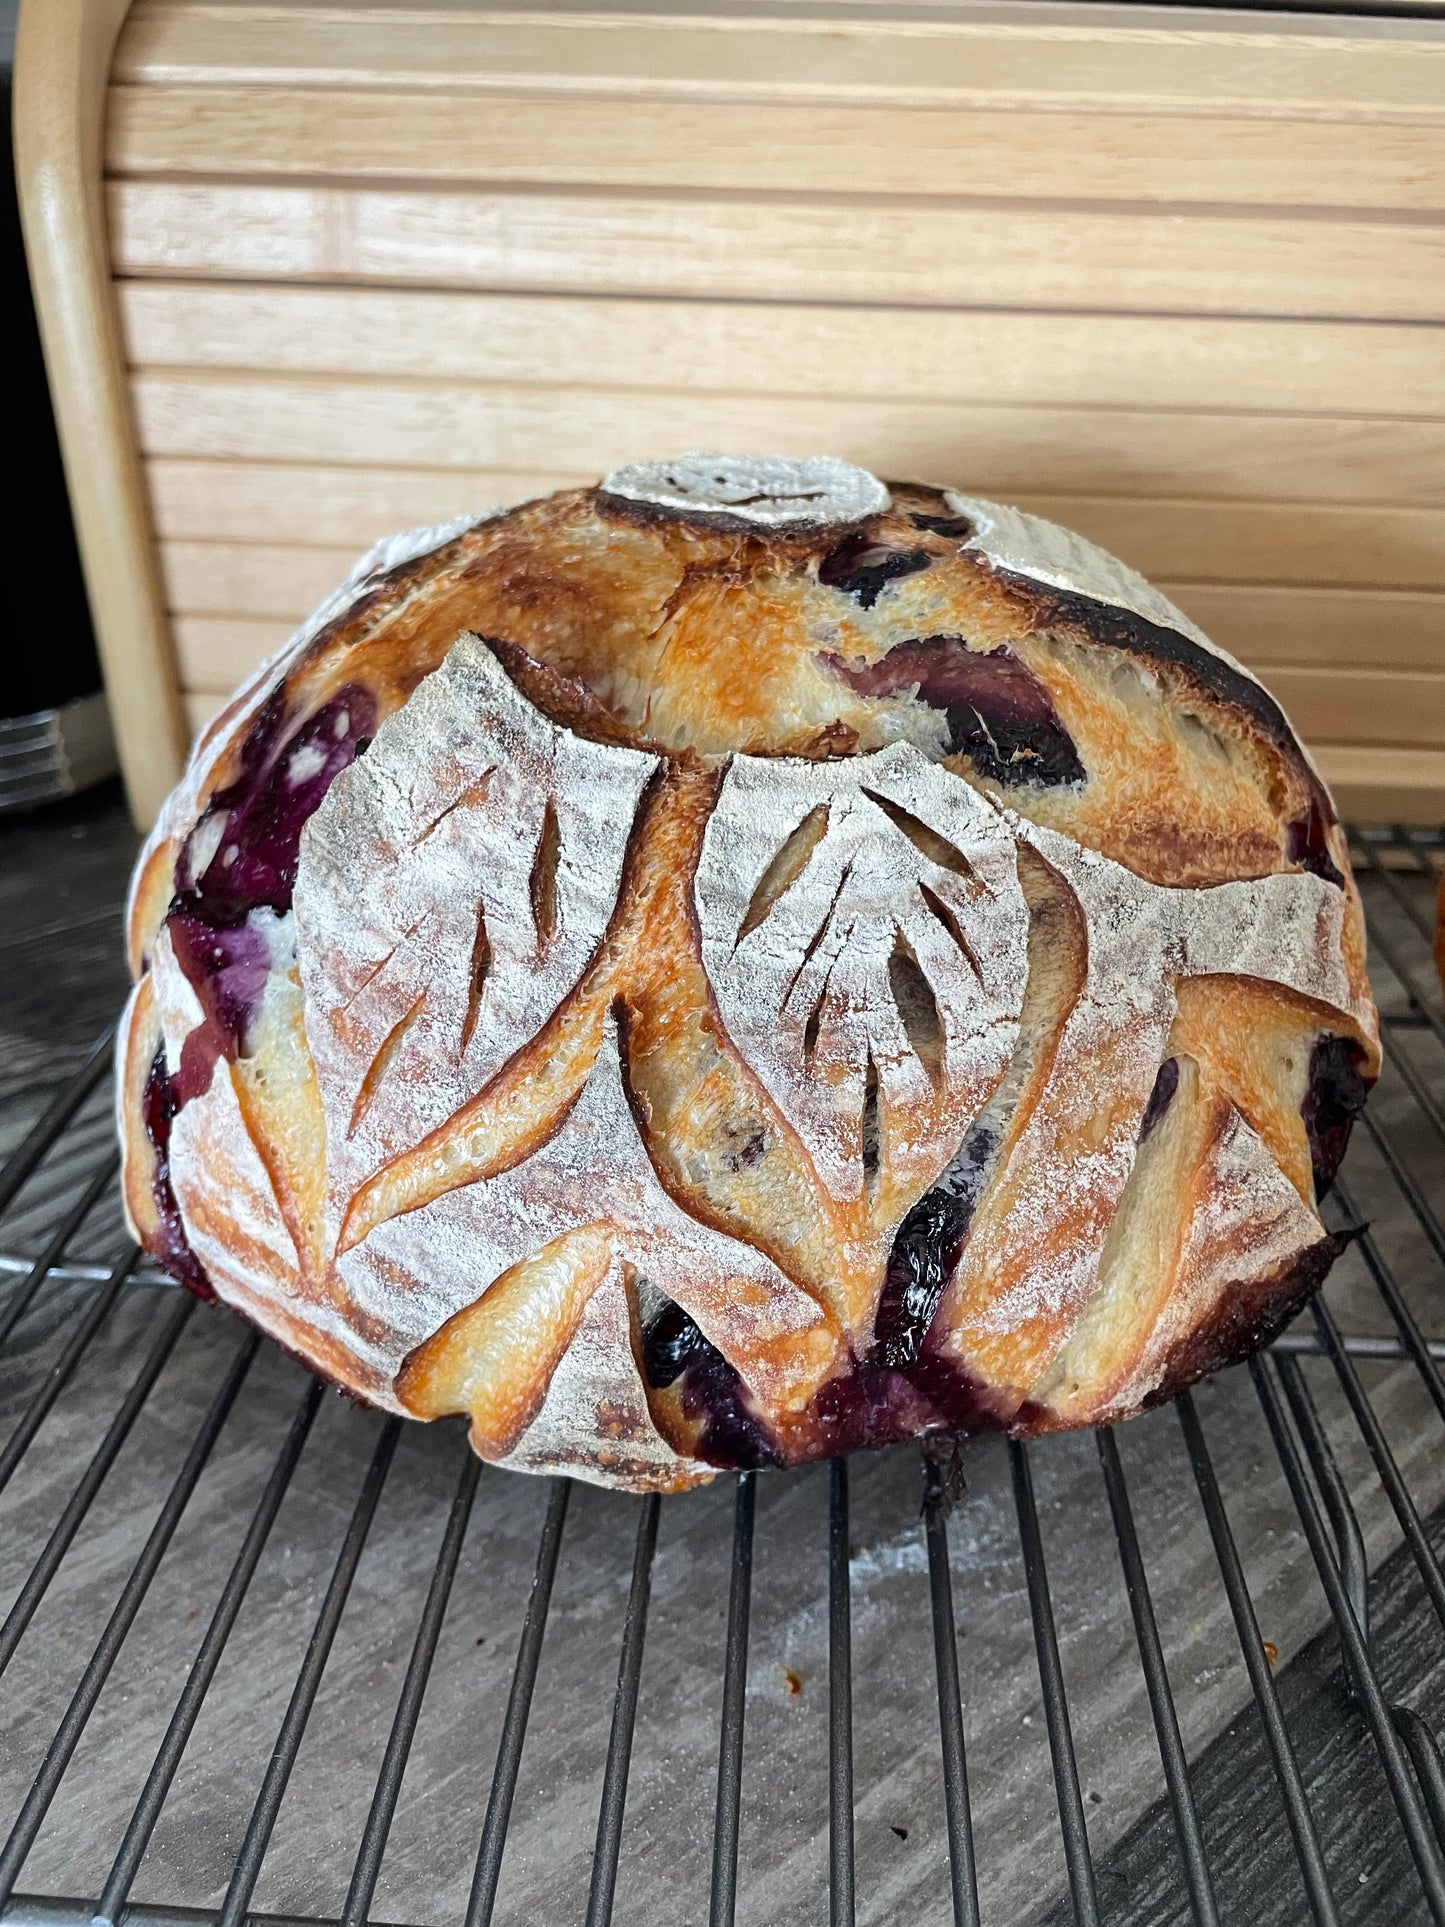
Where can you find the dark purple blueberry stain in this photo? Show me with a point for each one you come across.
(1334, 1097)
(285, 773)
(998, 711)
(251, 866)
(870, 1406)
(1161, 1097)
(283, 779)
(925, 1250)
(158, 1111)
(862, 566)
(673, 1347)
(1306, 843)
(956, 528)
(227, 967)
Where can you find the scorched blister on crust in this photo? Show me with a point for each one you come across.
(740, 964)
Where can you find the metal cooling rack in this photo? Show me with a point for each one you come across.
(134, 1479)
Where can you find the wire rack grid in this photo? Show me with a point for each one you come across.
(1299, 1785)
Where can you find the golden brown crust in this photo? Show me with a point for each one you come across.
(719, 1017)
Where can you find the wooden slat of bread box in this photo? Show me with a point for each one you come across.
(1005, 451)
(1385, 708)
(934, 254)
(999, 57)
(345, 508)
(340, 511)
(563, 141)
(1094, 360)
(1383, 785)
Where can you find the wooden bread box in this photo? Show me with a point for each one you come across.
(310, 273)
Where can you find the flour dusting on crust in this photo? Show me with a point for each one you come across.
(907, 860)
(772, 491)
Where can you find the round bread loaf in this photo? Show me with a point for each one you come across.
(800, 963)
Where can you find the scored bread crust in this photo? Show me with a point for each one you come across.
(742, 963)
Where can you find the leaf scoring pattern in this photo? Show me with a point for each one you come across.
(452, 889)
(911, 865)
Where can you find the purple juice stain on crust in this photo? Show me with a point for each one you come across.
(870, 1406)
(251, 866)
(673, 1347)
(862, 566)
(227, 967)
(926, 1247)
(1161, 1097)
(158, 1110)
(252, 831)
(998, 711)
(1306, 843)
(284, 778)
(1334, 1097)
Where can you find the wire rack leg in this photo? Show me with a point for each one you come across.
(722, 1904)
(963, 1870)
(840, 1702)
(247, 1870)
(1286, 1766)
(519, 1705)
(624, 1722)
(1077, 1857)
(203, 1667)
(1156, 1678)
(97, 1671)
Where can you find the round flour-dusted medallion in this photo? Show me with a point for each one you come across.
(740, 964)
(772, 491)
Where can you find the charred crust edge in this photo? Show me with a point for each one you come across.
(1116, 628)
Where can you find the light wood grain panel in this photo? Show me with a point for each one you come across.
(1187, 540)
(1373, 785)
(564, 140)
(1238, 66)
(1368, 706)
(200, 706)
(1006, 451)
(1311, 625)
(1261, 542)
(216, 652)
(930, 255)
(1094, 360)
(349, 508)
(224, 579)
(1323, 628)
